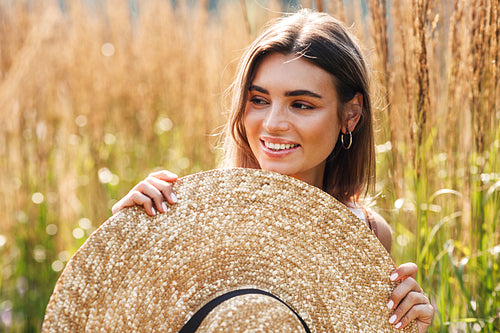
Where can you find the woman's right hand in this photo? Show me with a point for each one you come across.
(150, 193)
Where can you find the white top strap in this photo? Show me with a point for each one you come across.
(356, 210)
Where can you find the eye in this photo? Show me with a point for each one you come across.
(256, 100)
(302, 106)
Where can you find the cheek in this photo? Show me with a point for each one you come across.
(246, 126)
(325, 133)
(333, 134)
(334, 130)
(249, 124)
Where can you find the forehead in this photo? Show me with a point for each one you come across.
(287, 71)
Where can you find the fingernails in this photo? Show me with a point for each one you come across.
(390, 304)
(398, 325)
(394, 276)
(393, 319)
(153, 210)
(173, 197)
(164, 206)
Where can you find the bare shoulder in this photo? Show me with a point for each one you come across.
(384, 232)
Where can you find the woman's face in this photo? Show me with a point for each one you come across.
(291, 118)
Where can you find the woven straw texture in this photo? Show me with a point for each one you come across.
(231, 229)
(251, 313)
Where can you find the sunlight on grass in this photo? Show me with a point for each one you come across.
(93, 98)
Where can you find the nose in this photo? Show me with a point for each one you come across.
(276, 119)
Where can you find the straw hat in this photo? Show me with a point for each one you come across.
(242, 251)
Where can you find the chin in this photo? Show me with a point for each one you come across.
(276, 168)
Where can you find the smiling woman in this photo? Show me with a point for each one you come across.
(325, 67)
(301, 107)
(291, 117)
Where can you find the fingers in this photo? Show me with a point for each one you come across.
(117, 207)
(408, 300)
(400, 293)
(164, 175)
(135, 198)
(422, 313)
(151, 193)
(415, 305)
(403, 271)
(163, 187)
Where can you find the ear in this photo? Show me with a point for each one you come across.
(352, 113)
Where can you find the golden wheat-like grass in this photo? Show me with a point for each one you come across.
(92, 98)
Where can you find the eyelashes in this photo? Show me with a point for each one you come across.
(259, 101)
(302, 106)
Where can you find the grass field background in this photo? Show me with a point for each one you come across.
(94, 96)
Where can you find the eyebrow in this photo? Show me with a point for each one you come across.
(299, 92)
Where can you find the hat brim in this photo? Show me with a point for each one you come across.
(231, 229)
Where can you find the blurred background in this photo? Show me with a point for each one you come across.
(95, 95)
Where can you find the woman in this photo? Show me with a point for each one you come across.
(301, 107)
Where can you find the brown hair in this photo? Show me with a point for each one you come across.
(325, 42)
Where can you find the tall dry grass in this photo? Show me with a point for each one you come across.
(440, 93)
(92, 98)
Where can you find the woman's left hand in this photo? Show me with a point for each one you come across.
(408, 300)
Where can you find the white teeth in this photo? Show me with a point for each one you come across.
(279, 146)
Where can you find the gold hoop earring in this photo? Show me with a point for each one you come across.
(349, 144)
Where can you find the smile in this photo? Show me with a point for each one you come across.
(279, 146)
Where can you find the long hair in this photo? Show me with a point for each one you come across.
(326, 43)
